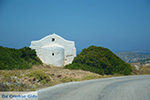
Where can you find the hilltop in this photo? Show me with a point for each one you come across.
(21, 70)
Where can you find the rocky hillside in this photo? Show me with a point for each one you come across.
(131, 57)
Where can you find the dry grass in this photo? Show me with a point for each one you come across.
(143, 70)
(57, 75)
(21, 80)
(27, 82)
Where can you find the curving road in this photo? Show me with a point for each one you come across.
(118, 88)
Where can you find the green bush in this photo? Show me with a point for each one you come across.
(100, 60)
(17, 58)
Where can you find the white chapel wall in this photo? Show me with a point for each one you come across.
(64, 50)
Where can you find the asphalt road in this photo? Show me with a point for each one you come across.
(118, 88)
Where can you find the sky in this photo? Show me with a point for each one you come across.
(122, 25)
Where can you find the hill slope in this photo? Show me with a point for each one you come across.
(132, 56)
(17, 58)
(100, 60)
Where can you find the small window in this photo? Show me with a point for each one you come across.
(53, 39)
(52, 54)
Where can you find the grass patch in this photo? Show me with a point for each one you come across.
(91, 76)
(40, 76)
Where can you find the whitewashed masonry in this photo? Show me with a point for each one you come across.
(54, 50)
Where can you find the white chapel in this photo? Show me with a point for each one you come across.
(54, 50)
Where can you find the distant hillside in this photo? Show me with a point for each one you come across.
(132, 56)
(100, 60)
(17, 58)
